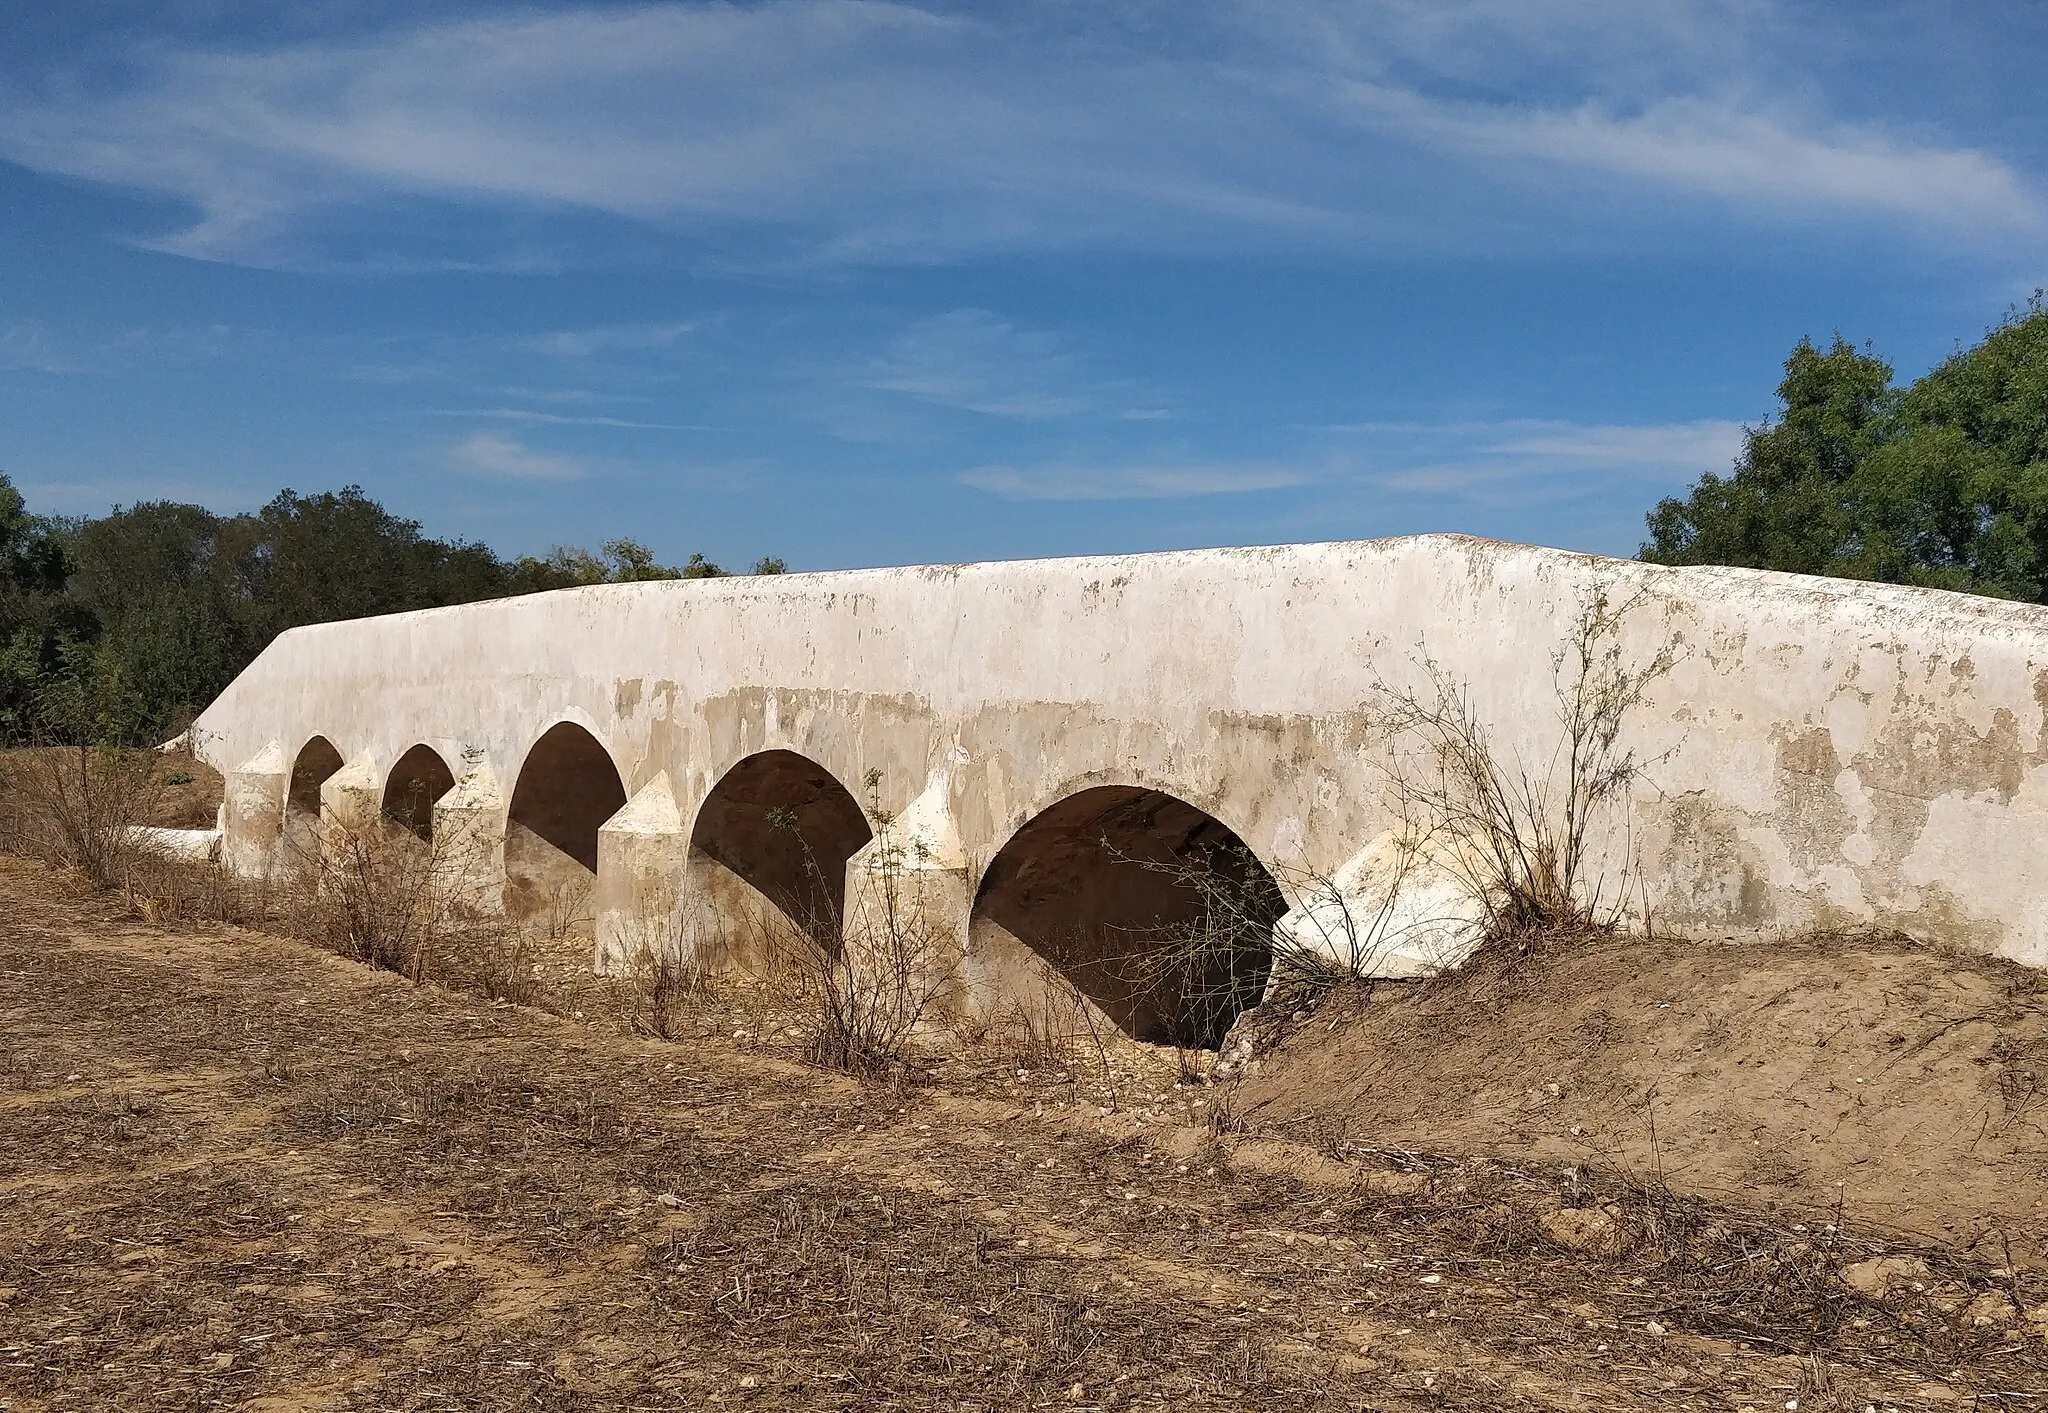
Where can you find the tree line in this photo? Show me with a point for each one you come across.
(1941, 483)
(122, 627)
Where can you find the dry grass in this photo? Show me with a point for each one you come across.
(72, 806)
(238, 1170)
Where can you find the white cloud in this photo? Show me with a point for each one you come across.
(29, 348)
(485, 454)
(973, 360)
(1708, 445)
(1128, 482)
(1526, 463)
(1749, 158)
(866, 130)
(616, 338)
(557, 419)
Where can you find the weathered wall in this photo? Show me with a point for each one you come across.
(1837, 753)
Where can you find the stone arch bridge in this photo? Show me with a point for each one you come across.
(694, 756)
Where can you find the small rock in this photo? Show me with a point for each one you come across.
(1874, 1279)
(1653, 1328)
(1580, 1228)
(1992, 1309)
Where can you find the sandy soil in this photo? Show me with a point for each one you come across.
(191, 793)
(240, 1172)
(185, 792)
(1888, 1082)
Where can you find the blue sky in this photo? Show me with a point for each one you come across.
(858, 282)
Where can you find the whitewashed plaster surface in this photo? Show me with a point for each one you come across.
(1833, 753)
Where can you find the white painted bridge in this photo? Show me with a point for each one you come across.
(694, 752)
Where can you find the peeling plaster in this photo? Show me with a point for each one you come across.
(1827, 753)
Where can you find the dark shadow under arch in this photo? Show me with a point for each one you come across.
(418, 779)
(317, 760)
(567, 787)
(1152, 909)
(784, 826)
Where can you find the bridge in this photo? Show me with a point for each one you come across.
(684, 760)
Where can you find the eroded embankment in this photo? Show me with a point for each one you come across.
(1907, 1085)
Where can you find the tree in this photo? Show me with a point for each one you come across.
(35, 621)
(124, 627)
(1943, 483)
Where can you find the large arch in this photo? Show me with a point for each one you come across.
(777, 829)
(316, 760)
(1150, 908)
(419, 779)
(567, 787)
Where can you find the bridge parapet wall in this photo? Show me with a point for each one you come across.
(1827, 754)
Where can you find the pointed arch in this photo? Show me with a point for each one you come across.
(416, 782)
(315, 762)
(567, 786)
(1150, 907)
(781, 827)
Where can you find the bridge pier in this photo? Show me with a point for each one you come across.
(642, 868)
(909, 895)
(469, 836)
(252, 812)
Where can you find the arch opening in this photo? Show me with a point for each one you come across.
(416, 782)
(317, 760)
(770, 846)
(567, 787)
(1153, 910)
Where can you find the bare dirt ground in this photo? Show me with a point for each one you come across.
(1882, 1080)
(184, 791)
(239, 1172)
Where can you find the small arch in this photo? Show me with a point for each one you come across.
(419, 779)
(783, 827)
(1154, 910)
(317, 760)
(567, 787)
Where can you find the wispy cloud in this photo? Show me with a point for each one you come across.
(1750, 158)
(1155, 481)
(505, 458)
(558, 419)
(616, 338)
(865, 130)
(978, 362)
(29, 348)
(1523, 463)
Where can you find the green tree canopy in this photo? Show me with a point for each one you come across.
(126, 625)
(1943, 483)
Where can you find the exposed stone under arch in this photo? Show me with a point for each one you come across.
(419, 779)
(1151, 909)
(770, 848)
(567, 787)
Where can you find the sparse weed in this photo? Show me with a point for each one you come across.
(1518, 834)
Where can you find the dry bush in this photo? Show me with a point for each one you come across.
(1519, 833)
(77, 807)
(376, 893)
(163, 889)
(659, 991)
(861, 994)
(1231, 953)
